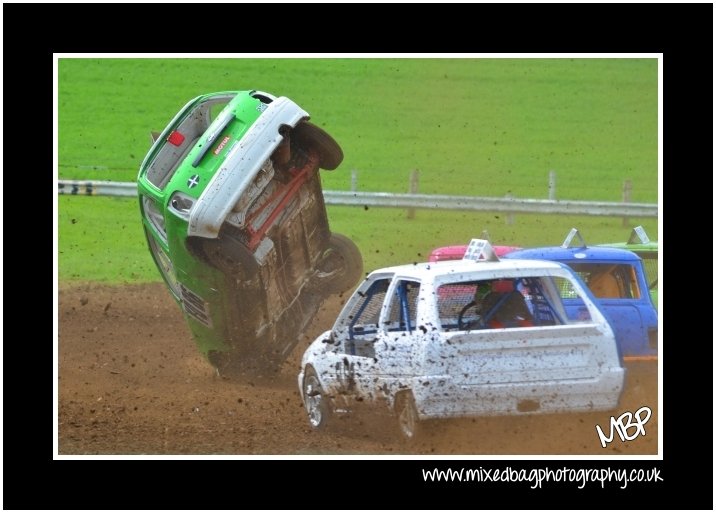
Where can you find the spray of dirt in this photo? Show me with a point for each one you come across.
(132, 382)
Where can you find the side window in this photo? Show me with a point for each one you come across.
(575, 308)
(363, 318)
(631, 282)
(403, 306)
(508, 303)
(613, 281)
(452, 299)
(566, 291)
(651, 268)
(165, 264)
(154, 216)
(545, 297)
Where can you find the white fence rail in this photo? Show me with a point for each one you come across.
(415, 201)
(96, 188)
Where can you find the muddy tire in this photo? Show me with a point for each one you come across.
(315, 401)
(340, 267)
(406, 413)
(309, 135)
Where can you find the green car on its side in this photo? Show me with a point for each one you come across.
(648, 251)
(233, 211)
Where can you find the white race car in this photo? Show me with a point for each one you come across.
(473, 337)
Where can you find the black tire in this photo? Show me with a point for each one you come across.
(340, 266)
(309, 135)
(406, 413)
(316, 403)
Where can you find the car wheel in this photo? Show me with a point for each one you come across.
(407, 416)
(340, 267)
(309, 135)
(316, 402)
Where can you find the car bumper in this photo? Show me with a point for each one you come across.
(241, 166)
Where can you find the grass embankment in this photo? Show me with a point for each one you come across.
(477, 127)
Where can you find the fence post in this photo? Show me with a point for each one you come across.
(626, 198)
(510, 217)
(413, 186)
(354, 180)
(552, 185)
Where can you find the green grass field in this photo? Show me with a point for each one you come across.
(478, 127)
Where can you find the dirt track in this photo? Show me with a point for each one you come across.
(132, 382)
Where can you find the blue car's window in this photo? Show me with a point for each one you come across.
(615, 281)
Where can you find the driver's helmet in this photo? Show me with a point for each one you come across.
(489, 293)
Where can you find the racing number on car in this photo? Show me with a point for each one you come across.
(345, 371)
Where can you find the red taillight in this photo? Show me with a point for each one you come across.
(176, 138)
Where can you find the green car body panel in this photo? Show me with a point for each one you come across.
(240, 233)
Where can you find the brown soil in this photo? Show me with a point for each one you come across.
(132, 382)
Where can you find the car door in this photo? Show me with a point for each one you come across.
(621, 293)
(490, 370)
(399, 340)
(357, 331)
(379, 341)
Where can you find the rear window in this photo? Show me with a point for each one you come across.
(180, 141)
